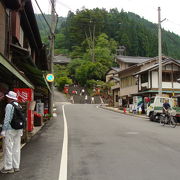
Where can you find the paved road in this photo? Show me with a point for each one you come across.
(105, 145)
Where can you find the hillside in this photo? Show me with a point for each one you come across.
(138, 35)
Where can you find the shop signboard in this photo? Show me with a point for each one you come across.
(24, 94)
(137, 100)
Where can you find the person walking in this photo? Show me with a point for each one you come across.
(12, 137)
(92, 100)
(86, 99)
(82, 92)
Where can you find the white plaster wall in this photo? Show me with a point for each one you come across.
(154, 79)
(149, 79)
(139, 82)
(167, 85)
(176, 85)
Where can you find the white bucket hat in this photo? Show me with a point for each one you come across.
(12, 95)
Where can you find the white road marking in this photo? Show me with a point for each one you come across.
(64, 156)
(64, 103)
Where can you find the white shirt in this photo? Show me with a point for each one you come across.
(9, 110)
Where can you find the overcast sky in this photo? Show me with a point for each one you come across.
(145, 8)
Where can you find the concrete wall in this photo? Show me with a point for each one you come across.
(2, 28)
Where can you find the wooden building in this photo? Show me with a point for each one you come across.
(139, 77)
(23, 59)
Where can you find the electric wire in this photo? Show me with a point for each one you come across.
(43, 26)
(172, 22)
(44, 18)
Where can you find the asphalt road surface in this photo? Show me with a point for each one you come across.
(102, 145)
(105, 145)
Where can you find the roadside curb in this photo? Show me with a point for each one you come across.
(120, 111)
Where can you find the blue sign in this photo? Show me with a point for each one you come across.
(50, 77)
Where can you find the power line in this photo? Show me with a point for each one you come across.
(41, 22)
(44, 18)
(173, 22)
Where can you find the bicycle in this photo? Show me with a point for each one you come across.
(168, 118)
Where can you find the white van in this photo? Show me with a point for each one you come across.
(156, 107)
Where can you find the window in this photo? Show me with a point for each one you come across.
(176, 75)
(144, 77)
(117, 98)
(166, 76)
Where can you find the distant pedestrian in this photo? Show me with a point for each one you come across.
(86, 98)
(82, 91)
(12, 138)
(92, 100)
(72, 99)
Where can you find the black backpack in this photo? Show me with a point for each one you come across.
(18, 120)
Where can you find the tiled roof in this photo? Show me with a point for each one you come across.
(61, 59)
(116, 78)
(115, 69)
(131, 59)
(164, 62)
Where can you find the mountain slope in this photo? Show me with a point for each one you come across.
(138, 35)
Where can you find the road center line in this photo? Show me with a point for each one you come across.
(64, 156)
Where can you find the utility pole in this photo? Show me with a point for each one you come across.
(159, 52)
(52, 38)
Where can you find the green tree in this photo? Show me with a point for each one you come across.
(62, 81)
(60, 71)
(72, 67)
